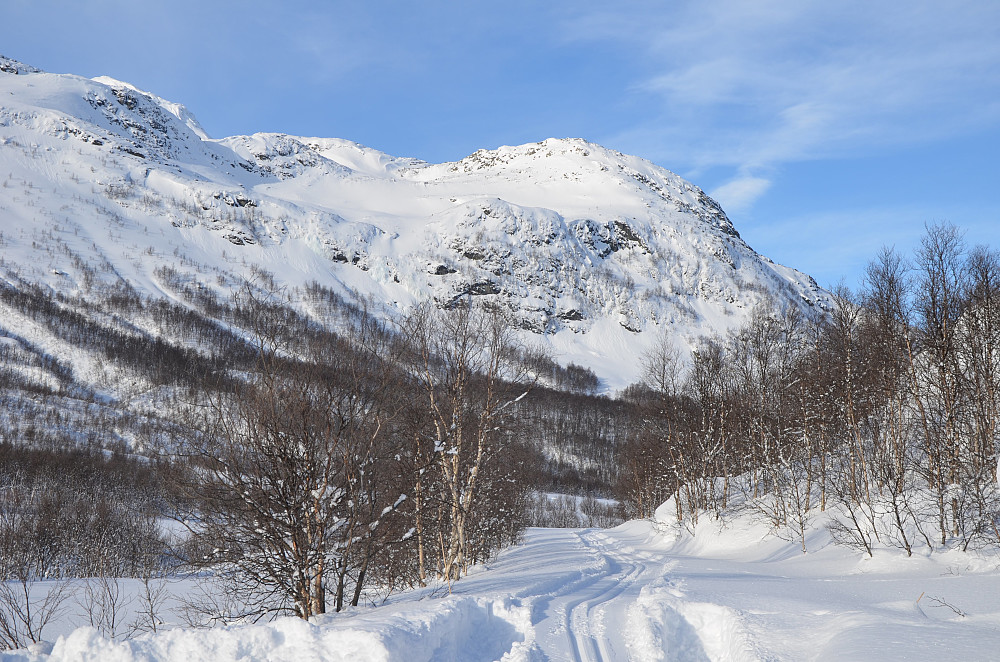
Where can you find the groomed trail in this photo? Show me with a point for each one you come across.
(607, 599)
(732, 592)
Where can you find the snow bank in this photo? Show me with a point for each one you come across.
(450, 629)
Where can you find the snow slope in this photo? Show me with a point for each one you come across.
(593, 250)
(642, 591)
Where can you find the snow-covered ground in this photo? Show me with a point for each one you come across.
(642, 591)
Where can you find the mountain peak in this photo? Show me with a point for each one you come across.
(177, 110)
(540, 152)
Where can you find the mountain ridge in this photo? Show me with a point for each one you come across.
(593, 251)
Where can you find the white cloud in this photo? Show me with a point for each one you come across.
(752, 84)
(739, 194)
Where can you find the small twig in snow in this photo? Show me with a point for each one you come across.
(938, 602)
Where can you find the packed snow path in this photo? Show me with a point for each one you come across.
(596, 605)
(582, 620)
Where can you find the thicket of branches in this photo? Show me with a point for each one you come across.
(76, 514)
(887, 408)
(70, 514)
(352, 461)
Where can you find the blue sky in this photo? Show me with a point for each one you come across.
(826, 129)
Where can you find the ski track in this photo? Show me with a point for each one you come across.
(595, 618)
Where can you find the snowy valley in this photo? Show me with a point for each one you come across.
(272, 397)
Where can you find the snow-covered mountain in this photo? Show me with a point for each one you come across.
(593, 251)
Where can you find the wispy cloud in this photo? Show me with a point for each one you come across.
(739, 194)
(752, 84)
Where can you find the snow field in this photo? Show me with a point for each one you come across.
(731, 592)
